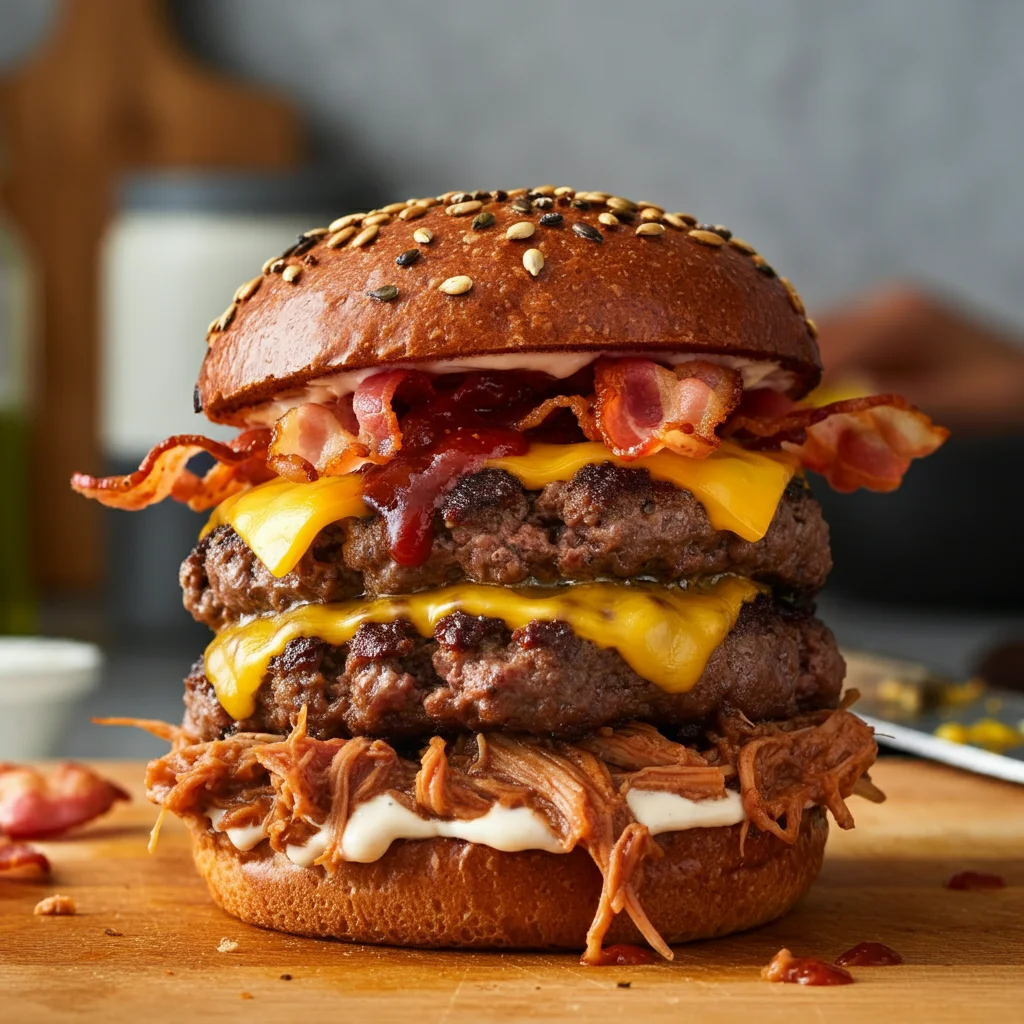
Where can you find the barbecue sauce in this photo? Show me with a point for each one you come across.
(622, 955)
(804, 970)
(975, 881)
(869, 954)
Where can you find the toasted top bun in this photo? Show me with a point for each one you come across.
(653, 282)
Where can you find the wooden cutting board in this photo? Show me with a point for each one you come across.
(964, 952)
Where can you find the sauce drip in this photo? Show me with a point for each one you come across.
(869, 954)
(621, 955)
(450, 429)
(804, 970)
(975, 881)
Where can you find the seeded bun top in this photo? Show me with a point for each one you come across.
(488, 273)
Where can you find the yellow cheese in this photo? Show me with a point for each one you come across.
(739, 489)
(666, 634)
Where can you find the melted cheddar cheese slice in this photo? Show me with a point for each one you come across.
(665, 634)
(739, 490)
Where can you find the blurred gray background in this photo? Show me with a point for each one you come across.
(850, 142)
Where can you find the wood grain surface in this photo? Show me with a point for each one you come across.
(964, 952)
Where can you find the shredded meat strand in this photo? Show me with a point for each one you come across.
(297, 785)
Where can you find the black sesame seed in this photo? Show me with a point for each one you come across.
(386, 293)
(766, 268)
(482, 220)
(533, 195)
(522, 205)
(310, 260)
(481, 194)
(721, 229)
(304, 244)
(499, 195)
(587, 232)
(543, 203)
(407, 258)
(278, 265)
(710, 227)
(460, 197)
(550, 220)
(197, 402)
(581, 204)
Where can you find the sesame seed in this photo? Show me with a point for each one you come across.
(592, 197)
(686, 218)
(412, 213)
(291, 274)
(550, 220)
(745, 247)
(482, 194)
(619, 205)
(364, 237)
(212, 328)
(520, 230)
(706, 237)
(588, 232)
(461, 209)
(644, 205)
(722, 230)
(458, 197)
(763, 265)
(458, 285)
(317, 232)
(608, 218)
(248, 290)
(564, 190)
(340, 237)
(545, 190)
(522, 205)
(385, 293)
(224, 320)
(393, 208)
(543, 203)
(482, 220)
(377, 218)
(812, 327)
(423, 235)
(533, 260)
(515, 193)
(794, 299)
(428, 202)
(651, 213)
(268, 264)
(407, 258)
(277, 266)
(343, 222)
(674, 221)
(651, 229)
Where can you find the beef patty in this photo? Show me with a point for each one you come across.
(606, 521)
(476, 674)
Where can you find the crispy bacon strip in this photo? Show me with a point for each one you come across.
(23, 858)
(164, 473)
(315, 440)
(641, 407)
(33, 805)
(580, 407)
(859, 442)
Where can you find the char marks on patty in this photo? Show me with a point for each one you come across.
(476, 674)
(607, 521)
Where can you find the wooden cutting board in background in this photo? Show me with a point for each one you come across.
(108, 92)
(964, 951)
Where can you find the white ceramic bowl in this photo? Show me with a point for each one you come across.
(41, 682)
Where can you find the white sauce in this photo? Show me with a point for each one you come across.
(755, 372)
(668, 812)
(376, 824)
(244, 838)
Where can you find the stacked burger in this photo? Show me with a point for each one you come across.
(511, 572)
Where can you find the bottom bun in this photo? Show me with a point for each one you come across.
(450, 893)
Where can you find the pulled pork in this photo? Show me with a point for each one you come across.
(296, 785)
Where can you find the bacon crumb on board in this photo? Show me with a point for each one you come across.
(56, 906)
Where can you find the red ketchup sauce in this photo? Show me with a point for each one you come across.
(804, 970)
(869, 954)
(622, 955)
(975, 881)
(449, 429)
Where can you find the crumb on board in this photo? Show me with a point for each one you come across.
(227, 946)
(286, 977)
(246, 995)
(56, 906)
(623, 984)
(112, 932)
